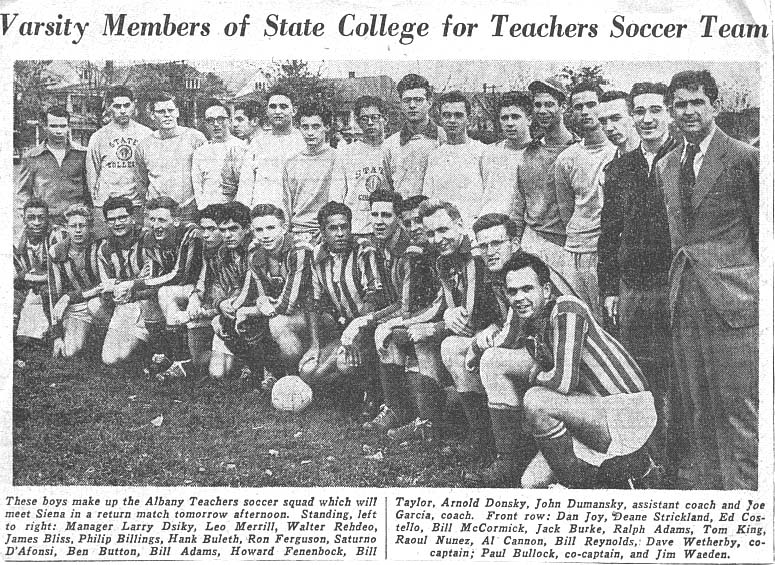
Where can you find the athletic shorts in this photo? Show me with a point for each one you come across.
(128, 320)
(79, 312)
(219, 346)
(33, 322)
(631, 420)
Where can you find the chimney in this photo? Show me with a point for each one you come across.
(351, 74)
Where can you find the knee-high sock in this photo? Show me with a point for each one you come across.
(557, 448)
(396, 396)
(513, 444)
(179, 335)
(429, 397)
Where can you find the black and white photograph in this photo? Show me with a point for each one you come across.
(291, 272)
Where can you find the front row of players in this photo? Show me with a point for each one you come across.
(389, 320)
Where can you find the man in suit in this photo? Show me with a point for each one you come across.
(711, 188)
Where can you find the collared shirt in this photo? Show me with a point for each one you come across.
(164, 164)
(59, 186)
(261, 175)
(285, 277)
(407, 157)
(111, 164)
(350, 280)
(651, 157)
(586, 358)
(703, 148)
(207, 170)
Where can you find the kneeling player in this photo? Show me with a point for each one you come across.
(75, 282)
(587, 404)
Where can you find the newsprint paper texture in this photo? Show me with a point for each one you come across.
(106, 463)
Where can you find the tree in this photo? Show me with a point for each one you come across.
(30, 80)
(583, 74)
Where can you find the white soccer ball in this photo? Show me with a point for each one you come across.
(291, 394)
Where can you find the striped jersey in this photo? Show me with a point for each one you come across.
(393, 271)
(176, 261)
(122, 260)
(586, 358)
(285, 278)
(232, 269)
(209, 292)
(350, 281)
(461, 279)
(33, 257)
(74, 272)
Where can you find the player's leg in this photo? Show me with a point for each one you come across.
(173, 301)
(126, 332)
(290, 334)
(325, 371)
(397, 408)
(200, 344)
(221, 359)
(76, 324)
(472, 395)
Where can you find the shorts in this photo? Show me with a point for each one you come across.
(33, 322)
(631, 420)
(128, 319)
(78, 312)
(219, 346)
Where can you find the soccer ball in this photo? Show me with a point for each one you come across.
(291, 394)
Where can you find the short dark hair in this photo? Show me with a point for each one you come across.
(586, 86)
(57, 112)
(35, 202)
(366, 101)
(647, 88)
(412, 81)
(412, 202)
(162, 202)
(332, 209)
(521, 260)
(452, 97)
(235, 211)
(495, 219)
(210, 102)
(386, 195)
(611, 95)
(261, 210)
(433, 205)
(116, 202)
(280, 91)
(119, 91)
(539, 87)
(249, 108)
(160, 97)
(692, 80)
(521, 100)
(314, 108)
(211, 212)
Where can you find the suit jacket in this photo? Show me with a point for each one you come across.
(719, 241)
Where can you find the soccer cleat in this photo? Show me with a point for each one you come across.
(159, 363)
(268, 382)
(500, 473)
(387, 419)
(416, 430)
(175, 373)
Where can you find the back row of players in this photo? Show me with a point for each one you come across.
(337, 265)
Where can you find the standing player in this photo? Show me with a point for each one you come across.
(245, 125)
(55, 170)
(75, 283)
(345, 274)
(578, 177)
(500, 160)
(454, 172)
(164, 158)
(210, 159)
(408, 149)
(307, 175)
(261, 175)
(360, 168)
(586, 401)
(111, 167)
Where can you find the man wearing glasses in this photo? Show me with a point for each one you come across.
(408, 148)
(164, 157)
(111, 167)
(360, 168)
(208, 162)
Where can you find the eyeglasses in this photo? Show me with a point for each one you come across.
(370, 118)
(484, 246)
(220, 120)
(116, 219)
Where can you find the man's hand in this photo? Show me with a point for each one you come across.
(353, 329)
(611, 305)
(227, 307)
(420, 332)
(242, 315)
(59, 308)
(456, 320)
(122, 292)
(217, 328)
(194, 307)
(59, 348)
(265, 306)
(381, 335)
(485, 339)
(311, 356)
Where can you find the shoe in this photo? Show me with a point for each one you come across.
(418, 429)
(175, 373)
(387, 419)
(159, 363)
(268, 383)
(653, 478)
(247, 380)
(369, 409)
(500, 473)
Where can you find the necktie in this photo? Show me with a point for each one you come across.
(687, 179)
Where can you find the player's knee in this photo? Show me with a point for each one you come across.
(110, 355)
(537, 475)
(450, 351)
(536, 404)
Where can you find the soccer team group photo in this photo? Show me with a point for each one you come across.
(511, 275)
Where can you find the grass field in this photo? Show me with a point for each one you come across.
(77, 422)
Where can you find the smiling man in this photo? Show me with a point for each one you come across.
(164, 158)
(111, 167)
(711, 187)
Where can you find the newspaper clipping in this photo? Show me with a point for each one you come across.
(316, 281)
